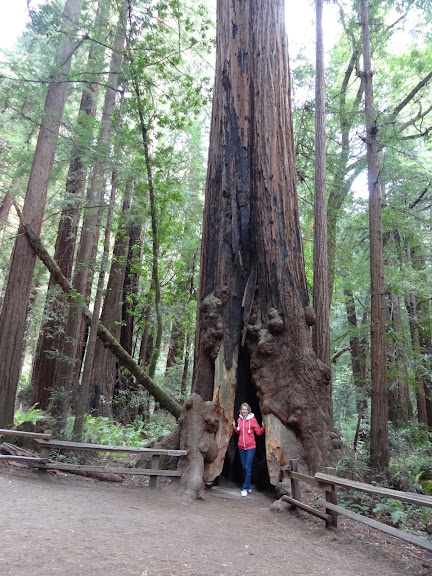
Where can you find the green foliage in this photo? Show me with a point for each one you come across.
(100, 430)
(32, 415)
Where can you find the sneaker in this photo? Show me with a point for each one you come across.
(250, 490)
(244, 493)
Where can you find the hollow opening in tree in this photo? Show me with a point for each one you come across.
(246, 392)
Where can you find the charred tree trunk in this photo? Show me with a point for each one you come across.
(253, 297)
(14, 311)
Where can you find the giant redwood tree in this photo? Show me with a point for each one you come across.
(253, 340)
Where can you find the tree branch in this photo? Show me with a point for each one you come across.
(107, 338)
(411, 95)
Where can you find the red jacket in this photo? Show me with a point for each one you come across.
(246, 429)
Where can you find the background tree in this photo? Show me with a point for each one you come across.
(321, 329)
(14, 310)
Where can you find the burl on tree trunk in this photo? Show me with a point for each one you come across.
(199, 423)
(253, 299)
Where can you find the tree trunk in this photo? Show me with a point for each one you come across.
(5, 207)
(51, 339)
(126, 406)
(146, 345)
(400, 408)
(379, 449)
(90, 227)
(321, 330)
(185, 374)
(89, 374)
(358, 357)
(14, 311)
(104, 367)
(159, 395)
(412, 307)
(130, 288)
(154, 220)
(253, 339)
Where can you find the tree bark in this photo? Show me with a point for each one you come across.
(321, 303)
(91, 225)
(51, 339)
(109, 341)
(412, 307)
(104, 367)
(154, 220)
(14, 311)
(379, 449)
(253, 319)
(88, 371)
(5, 207)
(400, 408)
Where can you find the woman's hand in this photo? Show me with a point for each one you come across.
(234, 423)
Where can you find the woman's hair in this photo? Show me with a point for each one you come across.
(249, 409)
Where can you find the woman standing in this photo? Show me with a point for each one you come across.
(246, 427)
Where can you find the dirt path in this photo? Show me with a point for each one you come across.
(64, 524)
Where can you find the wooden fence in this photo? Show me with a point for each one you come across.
(45, 444)
(329, 482)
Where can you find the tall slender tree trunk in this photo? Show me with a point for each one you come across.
(130, 288)
(253, 339)
(321, 330)
(358, 357)
(358, 362)
(379, 449)
(154, 220)
(400, 408)
(156, 391)
(412, 307)
(91, 225)
(14, 311)
(104, 366)
(5, 207)
(185, 373)
(88, 371)
(51, 339)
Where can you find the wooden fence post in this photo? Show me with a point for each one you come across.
(331, 497)
(154, 465)
(44, 451)
(295, 484)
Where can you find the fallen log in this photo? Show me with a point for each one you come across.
(13, 450)
(106, 337)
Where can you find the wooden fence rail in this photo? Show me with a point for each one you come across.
(45, 444)
(329, 482)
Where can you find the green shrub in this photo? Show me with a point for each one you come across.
(32, 415)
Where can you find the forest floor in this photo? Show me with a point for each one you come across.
(57, 523)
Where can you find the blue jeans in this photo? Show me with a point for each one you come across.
(246, 457)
